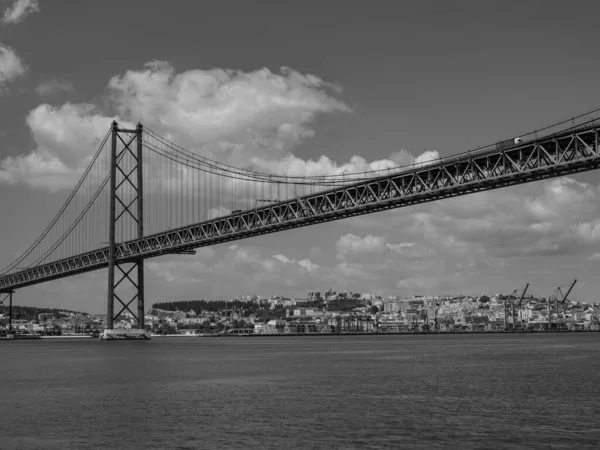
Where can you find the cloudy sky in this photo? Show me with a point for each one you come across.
(310, 87)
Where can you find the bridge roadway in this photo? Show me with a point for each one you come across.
(555, 155)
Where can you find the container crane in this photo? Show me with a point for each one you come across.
(555, 297)
(563, 304)
(509, 308)
(514, 311)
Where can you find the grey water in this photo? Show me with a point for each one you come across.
(421, 392)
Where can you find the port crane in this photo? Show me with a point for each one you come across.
(514, 310)
(8, 296)
(558, 296)
(509, 308)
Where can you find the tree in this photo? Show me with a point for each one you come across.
(374, 309)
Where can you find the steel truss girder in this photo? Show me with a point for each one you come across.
(547, 157)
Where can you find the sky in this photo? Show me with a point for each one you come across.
(307, 87)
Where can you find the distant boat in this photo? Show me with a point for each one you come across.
(27, 336)
(186, 334)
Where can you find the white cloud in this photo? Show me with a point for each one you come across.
(228, 115)
(308, 265)
(64, 137)
(305, 264)
(354, 271)
(291, 165)
(252, 119)
(351, 243)
(426, 157)
(442, 244)
(594, 257)
(399, 246)
(490, 229)
(54, 87)
(19, 11)
(11, 66)
(284, 259)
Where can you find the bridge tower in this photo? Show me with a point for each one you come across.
(126, 216)
(8, 295)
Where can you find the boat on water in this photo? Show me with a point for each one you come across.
(186, 335)
(20, 335)
(125, 334)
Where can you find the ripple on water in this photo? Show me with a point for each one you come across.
(471, 392)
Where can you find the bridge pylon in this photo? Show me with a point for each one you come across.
(126, 217)
(8, 295)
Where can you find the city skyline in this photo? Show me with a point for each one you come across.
(426, 86)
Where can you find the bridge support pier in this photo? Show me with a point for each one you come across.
(9, 297)
(125, 275)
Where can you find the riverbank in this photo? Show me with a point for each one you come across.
(409, 333)
(265, 335)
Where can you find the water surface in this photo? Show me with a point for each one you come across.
(422, 392)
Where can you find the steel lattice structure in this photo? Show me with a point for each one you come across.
(551, 156)
(125, 175)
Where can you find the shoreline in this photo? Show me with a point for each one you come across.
(407, 333)
(271, 335)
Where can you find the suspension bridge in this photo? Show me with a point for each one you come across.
(143, 196)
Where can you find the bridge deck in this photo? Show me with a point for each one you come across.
(551, 156)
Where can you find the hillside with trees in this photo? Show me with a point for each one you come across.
(31, 312)
(207, 306)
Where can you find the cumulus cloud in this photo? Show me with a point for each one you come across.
(291, 165)
(454, 242)
(226, 114)
(19, 11)
(64, 136)
(351, 243)
(54, 87)
(493, 230)
(399, 246)
(251, 119)
(11, 66)
(305, 264)
(284, 259)
(308, 265)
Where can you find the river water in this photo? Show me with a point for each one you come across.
(421, 392)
